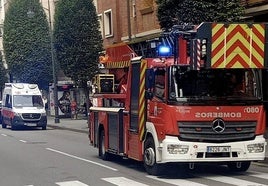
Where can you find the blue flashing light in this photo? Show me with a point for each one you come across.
(164, 51)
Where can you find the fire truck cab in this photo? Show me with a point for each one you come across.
(200, 102)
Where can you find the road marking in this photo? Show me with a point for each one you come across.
(82, 159)
(4, 135)
(71, 183)
(122, 181)
(233, 181)
(258, 174)
(23, 141)
(176, 181)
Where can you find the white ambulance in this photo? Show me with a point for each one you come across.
(22, 105)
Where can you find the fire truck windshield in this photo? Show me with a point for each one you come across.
(214, 84)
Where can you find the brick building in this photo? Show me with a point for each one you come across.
(131, 21)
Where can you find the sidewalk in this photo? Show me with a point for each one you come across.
(77, 125)
(80, 125)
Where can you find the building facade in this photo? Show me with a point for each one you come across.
(130, 21)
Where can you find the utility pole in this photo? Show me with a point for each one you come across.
(55, 90)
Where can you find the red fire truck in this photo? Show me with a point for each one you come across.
(200, 102)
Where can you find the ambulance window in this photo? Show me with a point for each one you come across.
(8, 101)
(37, 101)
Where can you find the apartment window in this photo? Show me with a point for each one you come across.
(108, 26)
(101, 24)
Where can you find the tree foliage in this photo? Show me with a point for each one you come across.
(26, 42)
(77, 39)
(3, 74)
(229, 11)
(197, 11)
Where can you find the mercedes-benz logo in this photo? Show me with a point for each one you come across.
(218, 126)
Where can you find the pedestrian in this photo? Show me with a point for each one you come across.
(45, 102)
(74, 109)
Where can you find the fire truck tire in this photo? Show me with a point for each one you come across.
(149, 158)
(239, 166)
(102, 154)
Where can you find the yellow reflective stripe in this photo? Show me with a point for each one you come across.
(142, 99)
(117, 64)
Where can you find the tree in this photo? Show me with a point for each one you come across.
(3, 74)
(77, 39)
(197, 11)
(26, 43)
(229, 11)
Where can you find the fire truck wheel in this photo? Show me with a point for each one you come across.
(102, 154)
(149, 159)
(239, 166)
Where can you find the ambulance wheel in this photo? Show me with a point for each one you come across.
(13, 127)
(102, 154)
(239, 166)
(149, 158)
(3, 124)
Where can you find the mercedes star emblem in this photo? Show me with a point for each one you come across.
(218, 126)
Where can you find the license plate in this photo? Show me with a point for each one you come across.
(31, 124)
(218, 149)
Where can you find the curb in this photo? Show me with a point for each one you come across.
(70, 129)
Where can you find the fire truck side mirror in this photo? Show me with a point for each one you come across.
(149, 83)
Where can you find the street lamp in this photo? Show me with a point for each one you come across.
(55, 90)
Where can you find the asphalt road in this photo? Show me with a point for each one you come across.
(33, 157)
